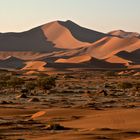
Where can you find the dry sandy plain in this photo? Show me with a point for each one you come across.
(82, 106)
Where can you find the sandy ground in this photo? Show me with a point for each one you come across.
(77, 104)
(85, 124)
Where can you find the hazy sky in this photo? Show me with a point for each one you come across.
(101, 15)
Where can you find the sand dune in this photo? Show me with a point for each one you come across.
(84, 62)
(67, 43)
(12, 62)
(35, 65)
(109, 46)
(24, 55)
(124, 34)
(61, 36)
(115, 119)
(117, 59)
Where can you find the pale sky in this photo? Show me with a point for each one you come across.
(101, 15)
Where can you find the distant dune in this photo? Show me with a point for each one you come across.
(12, 62)
(123, 34)
(34, 65)
(66, 44)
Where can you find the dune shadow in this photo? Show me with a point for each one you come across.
(131, 56)
(93, 63)
(81, 33)
(33, 40)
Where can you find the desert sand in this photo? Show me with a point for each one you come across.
(83, 105)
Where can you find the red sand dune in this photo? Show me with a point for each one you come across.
(67, 42)
(61, 36)
(123, 34)
(117, 59)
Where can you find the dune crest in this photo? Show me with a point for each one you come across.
(77, 59)
(61, 36)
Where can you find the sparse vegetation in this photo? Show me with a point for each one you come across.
(137, 86)
(15, 82)
(46, 83)
(31, 85)
(110, 73)
(81, 91)
(125, 85)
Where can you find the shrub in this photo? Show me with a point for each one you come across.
(110, 73)
(3, 84)
(125, 85)
(46, 83)
(15, 82)
(30, 85)
(137, 86)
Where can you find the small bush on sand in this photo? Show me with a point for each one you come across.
(125, 85)
(110, 73)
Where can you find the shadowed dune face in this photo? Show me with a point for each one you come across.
(12, 62)
(91, 63)
(32, 40)
(66, 44)
(81, 33)
(134, 56)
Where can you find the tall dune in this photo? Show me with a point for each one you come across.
(61, 36)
